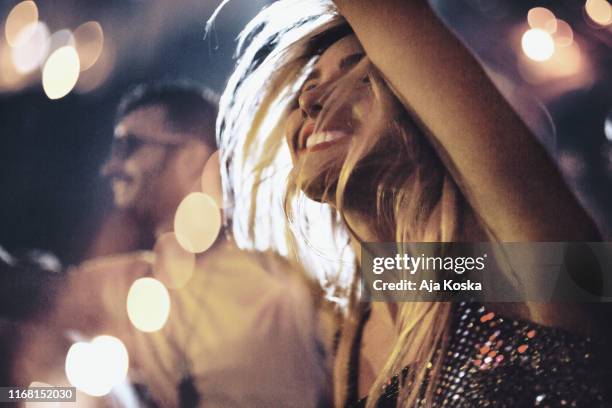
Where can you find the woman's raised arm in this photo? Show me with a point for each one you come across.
(506, 175)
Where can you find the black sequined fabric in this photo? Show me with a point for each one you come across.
(491, 361)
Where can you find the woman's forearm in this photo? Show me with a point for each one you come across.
(505, 173)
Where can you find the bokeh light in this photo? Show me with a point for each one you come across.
(538, 44)
(61, 72)
(197, 222)
(96, 367)
(148, 304)
(61, 38)
(10, 78)
(31, 47)
(173, 265)
(567, 63)
(542, 18)
(89, 43)
(211, 179)
(564, 35)
(21, 16)
(608, 126)
(97, 75)
(599, 12)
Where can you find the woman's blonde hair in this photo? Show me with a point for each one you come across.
(394, 175)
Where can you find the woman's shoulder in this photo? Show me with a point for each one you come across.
(511, 361)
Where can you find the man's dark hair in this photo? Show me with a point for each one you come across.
(190, 108)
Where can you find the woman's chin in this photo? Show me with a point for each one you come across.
(321, 188)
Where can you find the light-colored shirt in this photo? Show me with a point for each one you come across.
(244, 327)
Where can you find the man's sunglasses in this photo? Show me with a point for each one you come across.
(126, 146)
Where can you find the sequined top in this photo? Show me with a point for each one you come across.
(492, 361)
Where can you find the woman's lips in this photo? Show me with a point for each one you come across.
(321, 140)
(304, 134)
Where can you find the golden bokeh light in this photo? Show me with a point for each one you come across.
(564, 36)
(61, 72)
(96, 367)
(211, 179)
(31, 47)
(89, 43)
(173, 265)
(599, 11)
(148, 304)
(567, 63)
(197, 222)
(97, 75)
(21, 16)
(542, 18)
(10, 78)
(538, 44)
(61, 38)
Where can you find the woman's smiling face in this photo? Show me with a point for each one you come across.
(332, 107)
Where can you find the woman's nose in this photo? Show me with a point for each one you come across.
(310, 103)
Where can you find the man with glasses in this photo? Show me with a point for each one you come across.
(164, 135)
(242, 332)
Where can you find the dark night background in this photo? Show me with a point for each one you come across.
(53, 198)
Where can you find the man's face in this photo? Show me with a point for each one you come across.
(140, 158)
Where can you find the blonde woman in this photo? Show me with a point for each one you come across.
(394, 125)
